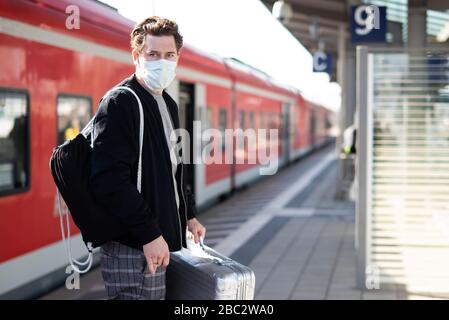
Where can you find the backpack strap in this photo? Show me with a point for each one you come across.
(75, 264)
(88, 130)
(141, 129)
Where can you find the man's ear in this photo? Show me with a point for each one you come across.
(135, 56)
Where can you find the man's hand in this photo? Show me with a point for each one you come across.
(197, 229)
(157, 254)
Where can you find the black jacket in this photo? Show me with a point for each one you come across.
(113, 176)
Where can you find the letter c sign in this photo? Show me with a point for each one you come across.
(322, 62)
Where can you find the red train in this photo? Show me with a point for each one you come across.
(51, 79)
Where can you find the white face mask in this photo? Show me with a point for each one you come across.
(157, 74)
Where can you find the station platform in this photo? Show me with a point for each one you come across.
(290, 230)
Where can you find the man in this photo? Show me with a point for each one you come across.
(133, 266)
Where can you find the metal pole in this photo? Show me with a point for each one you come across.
(417, 24)
(341, 69)
(361, 234)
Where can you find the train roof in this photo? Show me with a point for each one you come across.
(260, 75)
(103, 24)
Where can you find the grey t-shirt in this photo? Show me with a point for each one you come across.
(172, 145)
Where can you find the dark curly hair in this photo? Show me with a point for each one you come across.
(156, 26)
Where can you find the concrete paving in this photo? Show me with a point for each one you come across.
(304, 250)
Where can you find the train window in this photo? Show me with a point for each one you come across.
(251, 120)
(261, 120)
(274, 120)
(222, 119)
(208, 116)
(206, 123)
(73, 113)
(241, 142)
(269, 123)
(260, 125)
(222, 123)
(242, 120)
(14, 142)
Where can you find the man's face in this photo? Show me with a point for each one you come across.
(158, 47)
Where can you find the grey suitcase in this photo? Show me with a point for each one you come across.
(207, 275)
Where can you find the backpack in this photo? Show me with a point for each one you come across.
(70, 167)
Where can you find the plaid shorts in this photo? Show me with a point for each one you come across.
(126, 275)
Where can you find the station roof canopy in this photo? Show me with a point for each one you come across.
(315, 21)
(326, 15)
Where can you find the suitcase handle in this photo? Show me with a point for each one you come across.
(219, 259)
(222, 261)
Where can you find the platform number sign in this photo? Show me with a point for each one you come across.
(322, 62)
(368, 23)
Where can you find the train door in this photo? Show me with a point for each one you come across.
(285, 133)
(186, 117)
